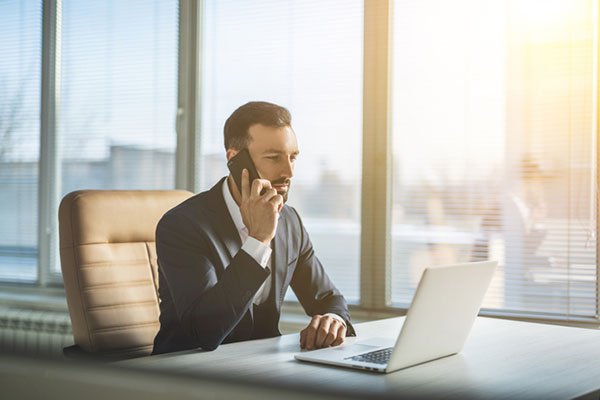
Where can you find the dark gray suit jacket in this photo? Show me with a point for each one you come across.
(207, 284)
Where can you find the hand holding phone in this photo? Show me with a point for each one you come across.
(237, 164)
(259, 216)
(259, 211)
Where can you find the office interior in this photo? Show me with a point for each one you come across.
(430, 133)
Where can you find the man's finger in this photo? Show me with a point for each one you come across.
(322, 331)
(245, 184)
(277, 200)
(341, 335)
(258, 185)
(311, 332)
(303, 338)
(269, 194)
(332, 334)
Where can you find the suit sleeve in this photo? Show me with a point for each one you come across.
(315, 291)
(208, 306)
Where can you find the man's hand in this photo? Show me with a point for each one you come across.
(259, 212)
(323, 331)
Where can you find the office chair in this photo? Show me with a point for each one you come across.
(109, 267)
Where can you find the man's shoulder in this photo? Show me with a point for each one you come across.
(193, 209)
(184, 208)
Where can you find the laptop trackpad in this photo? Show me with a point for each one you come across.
(355, 348)
(378, 342)
(365, 346)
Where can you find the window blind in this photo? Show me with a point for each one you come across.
(306, 56)
(20, 74)
(494, 149)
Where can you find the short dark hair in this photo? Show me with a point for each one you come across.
(254, 112)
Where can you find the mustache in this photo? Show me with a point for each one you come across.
(282, 181)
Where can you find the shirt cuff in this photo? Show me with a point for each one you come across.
(335, 316)
(257, 250)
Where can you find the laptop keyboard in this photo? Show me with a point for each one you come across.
(375, 357)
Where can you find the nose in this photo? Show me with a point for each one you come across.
(288, 169)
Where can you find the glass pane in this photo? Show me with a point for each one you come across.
(118, 95)
(307, 57)
(20, 72)
(494, 148)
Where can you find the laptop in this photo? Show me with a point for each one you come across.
(442, 313)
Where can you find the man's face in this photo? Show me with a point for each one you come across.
(274, 151)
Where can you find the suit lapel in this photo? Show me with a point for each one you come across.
(229, 236)
(280, 257)
(226, 230)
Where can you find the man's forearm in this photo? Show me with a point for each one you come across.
(214, 313)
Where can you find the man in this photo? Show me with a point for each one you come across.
(226, 258)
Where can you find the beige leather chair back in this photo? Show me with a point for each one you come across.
(108, 260)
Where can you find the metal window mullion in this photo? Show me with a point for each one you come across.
(596, 131)
(189, 78)
(375, 273)
(49, 162)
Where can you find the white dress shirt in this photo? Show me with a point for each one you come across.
(255, 248)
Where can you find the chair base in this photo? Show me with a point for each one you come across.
(75, 352)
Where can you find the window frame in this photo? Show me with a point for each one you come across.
(49, 162)
(375, 264)
(596, 128)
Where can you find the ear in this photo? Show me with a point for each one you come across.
(231, 153)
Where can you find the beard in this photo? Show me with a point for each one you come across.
(283, 181)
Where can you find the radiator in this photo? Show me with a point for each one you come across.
(34, 332)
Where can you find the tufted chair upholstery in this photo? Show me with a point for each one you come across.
(108, 260)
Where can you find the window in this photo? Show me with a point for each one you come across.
(494, 149)
(118, 95)
(20, 74)
(490, 109)
(116, 83)
(306, 56)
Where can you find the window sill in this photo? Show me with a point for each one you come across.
(33, 298)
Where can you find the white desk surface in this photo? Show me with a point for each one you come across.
(501, 359)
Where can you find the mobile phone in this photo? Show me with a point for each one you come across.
(237, 164)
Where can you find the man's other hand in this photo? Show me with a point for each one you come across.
(323, 331)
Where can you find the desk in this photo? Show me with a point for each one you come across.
(501, 359)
